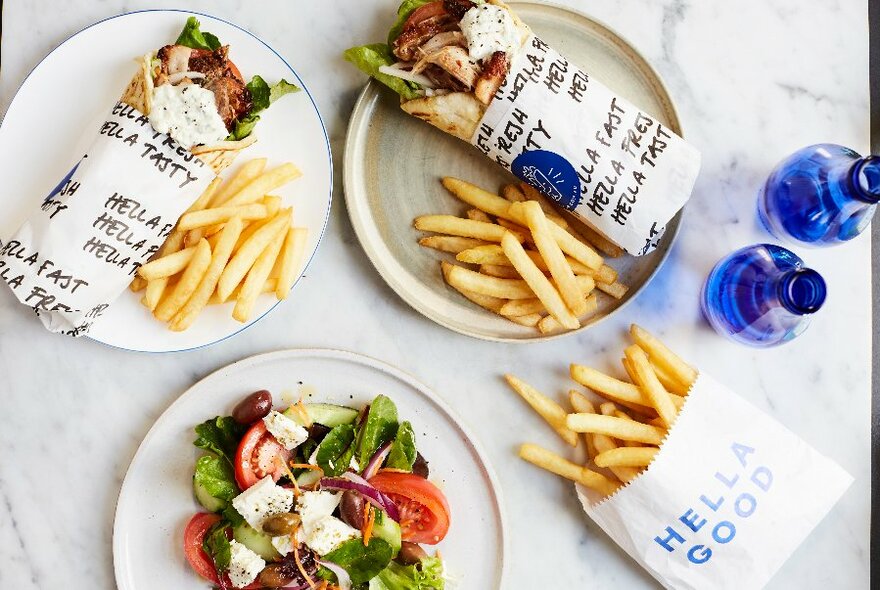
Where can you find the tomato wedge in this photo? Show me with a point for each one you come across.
(193, 536)
(424, 511)
(421, 13)
(259, 455)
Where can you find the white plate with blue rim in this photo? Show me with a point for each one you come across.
(44, 130)
(156, 500)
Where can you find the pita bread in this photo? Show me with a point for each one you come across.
(458, 113)
(139, 95)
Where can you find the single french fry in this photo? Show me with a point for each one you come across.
(478, 215)
(538, 283)
(268, 287)
(512, 193)
(650, 385)
(188, 314)
(468, 228)
(264, 184)
(555, 464)
(607, 386)
(627, 457)
(137, 284)
(489, 302)
(532, 194)
(663, 356)
(529, 320)
(582, 405)
(548, 409)
(153, 294)
(616, 427)
(462, 278)
(609, 409)
(515, 228)
(248, 172)
(208, 217)
(293, 253)
(615, 289)
(599, 241)
(500, 271)
(548, 325)
(604, 444)
(605, 274)
(247, 254)
(273, 205)
(187, 284)
(193, 237)
(257, 275)
(671, 384)
(555, 259)
(451, 244)
(166, 266)
(477, 197)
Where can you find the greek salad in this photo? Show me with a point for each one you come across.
(317, 496)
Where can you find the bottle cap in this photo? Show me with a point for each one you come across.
(802, 291)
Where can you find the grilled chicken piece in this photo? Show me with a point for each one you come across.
(455, 61)
(174, 58)
(441, 40)
(491, 78)
(423, 24)
(232, 97)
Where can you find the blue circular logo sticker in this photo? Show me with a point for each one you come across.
(551, 174)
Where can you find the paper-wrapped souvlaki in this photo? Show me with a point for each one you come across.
(473, 69)
(184, 116)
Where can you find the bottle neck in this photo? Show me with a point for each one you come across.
(863, 180)
(801, 291)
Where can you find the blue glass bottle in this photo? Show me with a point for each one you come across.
(762, 295)
(821, 195)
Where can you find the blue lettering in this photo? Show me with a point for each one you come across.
(704, 554)
(728, 482)
(690, 518)
(763, 478)
(742, 452)
(750, 504)
(714, 506)
(665, 541)
(721, 526)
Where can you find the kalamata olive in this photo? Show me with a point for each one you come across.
(411, 553)
(351, 509)
(279, 525)
(420, 466)
(317, 432)
(273, 576)
(252, 408)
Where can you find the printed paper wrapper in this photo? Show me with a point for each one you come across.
(727, 500)
(594, 153)
(81, 248)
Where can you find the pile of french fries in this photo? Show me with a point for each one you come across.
(531, 266)
(234, 243)
(624, 433)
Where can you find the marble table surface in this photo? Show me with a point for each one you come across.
(752, 80)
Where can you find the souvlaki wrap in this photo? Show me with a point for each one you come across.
(185, 115)
(473, 69)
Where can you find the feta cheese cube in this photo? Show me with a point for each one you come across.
(244, 565)
(328, 533)
(262, 500)
(313, 506)
(283, 544)
(288, 433)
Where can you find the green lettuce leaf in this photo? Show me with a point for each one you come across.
(403, 450)
(192, 36)
(216, 477)
(369, 58)
(216, 545)
(379, 428)
(263, 96)
(427, 575)
(336, 450)
(220, 435)
(406, 8)
(362, 563)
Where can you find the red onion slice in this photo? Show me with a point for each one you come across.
(343, 580)
(376, 461)
(353, 481)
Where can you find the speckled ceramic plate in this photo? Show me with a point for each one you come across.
(393, 163)
(42, 135)
(156, 499)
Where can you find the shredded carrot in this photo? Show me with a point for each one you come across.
(300, 408)
(299, 564)
(305, 466)
(369, 522)
(296, 491)
(393, 470)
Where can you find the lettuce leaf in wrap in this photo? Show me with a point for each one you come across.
(369, 58)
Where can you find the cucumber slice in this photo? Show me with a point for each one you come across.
(209, 502)
(259, 543)
(308, 478)
(386, 529)
(329, 415)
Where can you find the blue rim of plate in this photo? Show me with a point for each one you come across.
(314, 106)
(354, 357)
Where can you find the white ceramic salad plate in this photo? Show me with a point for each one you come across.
(45, 131)
(156, 499)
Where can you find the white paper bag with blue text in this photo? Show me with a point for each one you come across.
(727, 500)
(590, 150)
(82, 246)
